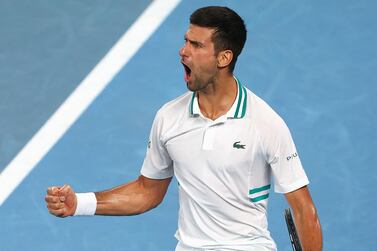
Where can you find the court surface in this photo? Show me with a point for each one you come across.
(314, 62)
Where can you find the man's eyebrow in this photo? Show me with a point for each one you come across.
(197, 43)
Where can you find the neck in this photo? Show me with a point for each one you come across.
(217, 99)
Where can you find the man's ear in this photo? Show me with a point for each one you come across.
(224, 58)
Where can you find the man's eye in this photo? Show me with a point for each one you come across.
(195, 45)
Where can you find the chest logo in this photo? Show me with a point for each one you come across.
(238, 145)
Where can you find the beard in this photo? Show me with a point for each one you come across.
(198, 84)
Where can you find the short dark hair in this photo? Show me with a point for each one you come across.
(230, 30)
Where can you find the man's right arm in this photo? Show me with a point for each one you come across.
(132, 198)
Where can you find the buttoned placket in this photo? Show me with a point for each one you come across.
(213, 126)
(211, 130)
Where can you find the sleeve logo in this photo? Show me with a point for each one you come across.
(292, 156)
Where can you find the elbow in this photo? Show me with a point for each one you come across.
(309, 217)
(312, 213)
(150, 202)
(307, 213)
(155, 202)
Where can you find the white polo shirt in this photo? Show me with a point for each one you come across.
(224, 169)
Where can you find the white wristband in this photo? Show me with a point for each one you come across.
(86, 204)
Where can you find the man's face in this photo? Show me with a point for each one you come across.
(198, 58)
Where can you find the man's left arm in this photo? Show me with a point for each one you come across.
(306, 219)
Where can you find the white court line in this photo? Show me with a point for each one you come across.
(83, 95)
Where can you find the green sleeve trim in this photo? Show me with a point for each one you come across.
(259, 189)
(259, 198)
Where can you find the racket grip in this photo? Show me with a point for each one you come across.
(293, 235)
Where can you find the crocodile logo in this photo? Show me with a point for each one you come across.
(237, 145)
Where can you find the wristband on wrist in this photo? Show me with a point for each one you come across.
(86, 204)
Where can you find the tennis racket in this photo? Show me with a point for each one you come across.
(295, 240)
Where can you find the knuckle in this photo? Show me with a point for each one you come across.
(48, 199)
(53, 206)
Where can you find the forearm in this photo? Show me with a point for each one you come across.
(128, 199)
(309, 229)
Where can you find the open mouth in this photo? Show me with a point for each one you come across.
(187, 72)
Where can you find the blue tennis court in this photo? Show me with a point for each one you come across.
(314, 62)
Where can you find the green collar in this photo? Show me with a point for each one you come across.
(238, 109)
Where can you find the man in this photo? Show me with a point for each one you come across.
(222, 143)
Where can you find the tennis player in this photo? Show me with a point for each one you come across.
(223, 144)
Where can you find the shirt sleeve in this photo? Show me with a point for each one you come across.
(157, 162)
(284, 161)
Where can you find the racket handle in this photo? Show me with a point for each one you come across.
(293, 235)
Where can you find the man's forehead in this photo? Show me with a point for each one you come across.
(197, 33)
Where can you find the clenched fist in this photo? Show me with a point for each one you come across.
(61, 201)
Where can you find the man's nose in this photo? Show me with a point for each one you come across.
(183, 51)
